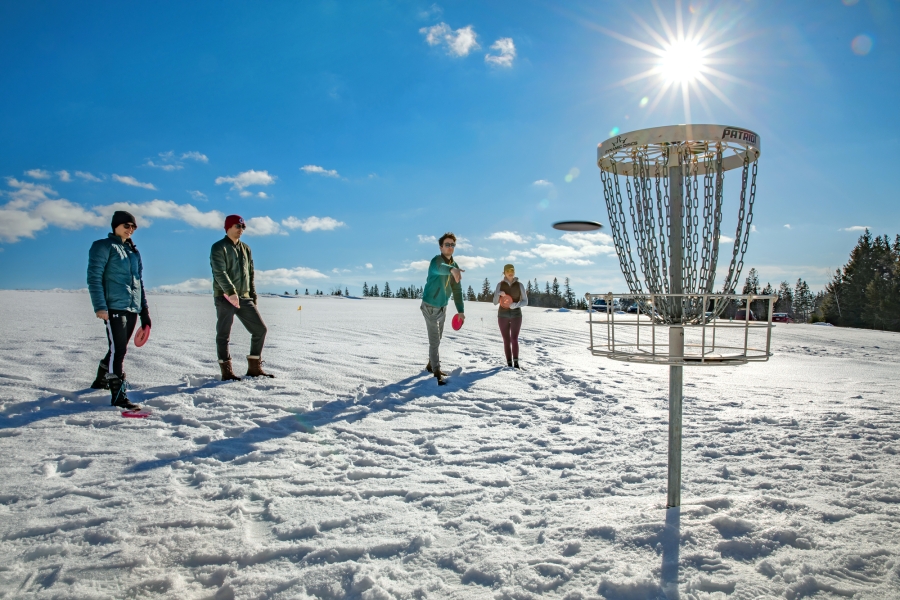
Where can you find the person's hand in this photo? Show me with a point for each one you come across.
(503, 294)
(145, 318)
(462, 317)
(457, 274)
(102, 314)
(235, 301)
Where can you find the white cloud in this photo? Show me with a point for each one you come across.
(166, 209)
(787, 226)
(38, 174)
(129, 180)
(246, 179)
(262, 195)
(458, 43)
(262, 226)
(312, 223)
(280, 277)
(18, 224)
(724, 239)
(472, 262)
(68, 215)
(416, 265)
(541, 182)
(463, 243)
(855, 228)
(317, 170)
(368, 265)
(190, 285)
(195, 156)
(27, 193)
(753, 229)
(507, 50)
(87, 176)
(64, 176)
(581, 247)
(164, 167)
(427, 239)
(245, 194)
(508, 236)
(198, 195)
(517, 254)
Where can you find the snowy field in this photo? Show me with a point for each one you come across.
(352, 475)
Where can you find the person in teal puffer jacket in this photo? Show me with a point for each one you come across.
(444, 277)
(115, 282)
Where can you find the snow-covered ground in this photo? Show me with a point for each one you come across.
(352, 475)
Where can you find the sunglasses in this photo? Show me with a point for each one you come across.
(241, 225)
(449, 245)
(129, 226)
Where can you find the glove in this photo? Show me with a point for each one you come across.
(145, 318)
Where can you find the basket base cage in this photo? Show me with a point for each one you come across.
(683, 329)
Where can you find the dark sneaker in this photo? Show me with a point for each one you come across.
(100, 383)
(430, 370)
(516, 364)
(440, 378)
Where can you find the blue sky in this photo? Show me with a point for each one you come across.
(352, 133)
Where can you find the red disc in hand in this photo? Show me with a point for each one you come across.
(141, 337)
(506, 301)
(457, 322)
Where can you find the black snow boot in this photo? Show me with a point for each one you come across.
(516, 364)
(101, 383)
(440, 378)
(117, 387)
(509, 363)
(430, 370)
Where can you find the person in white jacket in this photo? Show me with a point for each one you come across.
(510, 295)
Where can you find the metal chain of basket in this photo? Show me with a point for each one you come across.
(647, 225)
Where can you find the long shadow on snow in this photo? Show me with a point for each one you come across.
(387, 397)
(53, 406)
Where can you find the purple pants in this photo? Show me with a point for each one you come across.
(509, 328)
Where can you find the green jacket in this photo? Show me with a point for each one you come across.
(232, 269)
(441, 283)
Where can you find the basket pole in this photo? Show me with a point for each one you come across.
(676, 334)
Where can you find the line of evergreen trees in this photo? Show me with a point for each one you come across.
(866, 291)
(412, 292)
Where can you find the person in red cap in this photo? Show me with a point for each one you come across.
(235, 294)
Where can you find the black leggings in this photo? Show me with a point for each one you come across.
(119, 328)
(509, 328)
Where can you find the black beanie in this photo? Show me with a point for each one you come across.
(120, 217)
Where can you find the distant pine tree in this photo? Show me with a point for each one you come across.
(470, 295)
(346, 291)
(785, 298)
(803, 301)
(486, 295)
(569, 295)
(307, 291)
(387, 290)
(365, 291)
(373, 291)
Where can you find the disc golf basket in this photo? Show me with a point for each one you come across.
(664, 190)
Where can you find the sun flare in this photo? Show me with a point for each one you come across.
(682, 62)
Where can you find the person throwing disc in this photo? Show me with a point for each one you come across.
(444, 276)
(234, 293)
(116, 285)
(510, 295)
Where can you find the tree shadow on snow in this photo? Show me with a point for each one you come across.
(348, 410)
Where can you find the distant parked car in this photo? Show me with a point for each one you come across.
(741, 315)
(599, 305)
(632, 309)
(781, 318)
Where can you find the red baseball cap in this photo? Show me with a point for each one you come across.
(232, 220)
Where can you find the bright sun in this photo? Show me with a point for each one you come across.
(682, 62)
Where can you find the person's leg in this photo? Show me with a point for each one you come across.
(249, 316)
(514, 326)
(119, 328)
(434, 323)
(504, 331)
(252, 321)
(224, 319)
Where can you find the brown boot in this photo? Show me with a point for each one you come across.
(254, 367)
(227, 373)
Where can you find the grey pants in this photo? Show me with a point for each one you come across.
(248, 315)
(434, 322)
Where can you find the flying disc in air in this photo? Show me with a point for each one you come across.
(457, 322)
(506, 301)
(141, 336)
(577, 225)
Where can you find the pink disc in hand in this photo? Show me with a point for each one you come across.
(141, 337)
(506, 301)
(457, 322)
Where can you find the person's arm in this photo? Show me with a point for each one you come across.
(497, 294)
(252, 284)
(145, 308)
(439, 267)
(523, 301)
(456, 287)
(220, 274)
(97, 259)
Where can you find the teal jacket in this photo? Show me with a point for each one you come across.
(232, 269)
(115, 276)
(440, 284)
